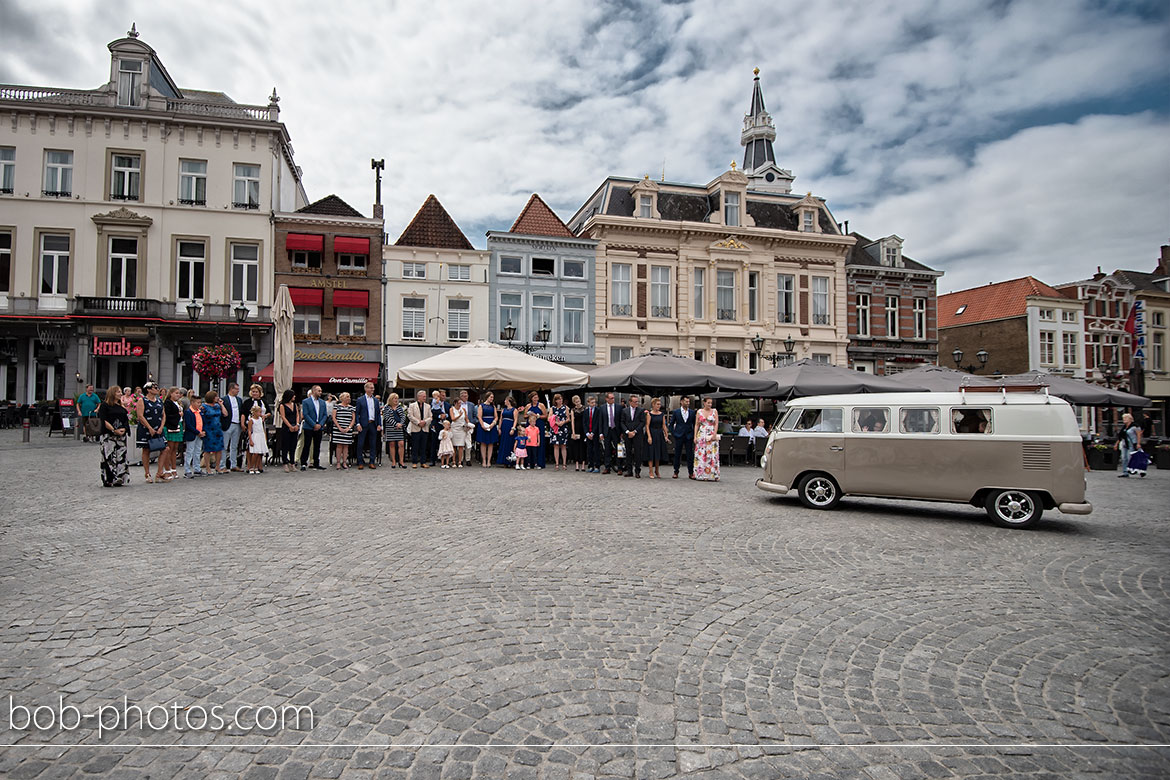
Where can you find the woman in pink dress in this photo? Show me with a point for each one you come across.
(707, 443)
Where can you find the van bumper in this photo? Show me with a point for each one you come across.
(1075, 509)
(772, 487)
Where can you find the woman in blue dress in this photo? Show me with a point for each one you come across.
(213, 412)
(488, 433)
(536, 458)
(507, 430)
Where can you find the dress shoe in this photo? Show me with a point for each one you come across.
(361, 467)
(303, 468)
(675, 475)
(605, 472)
(638, 476)
(372, 467)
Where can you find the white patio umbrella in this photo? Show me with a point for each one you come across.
(482, 365)
(283, 346)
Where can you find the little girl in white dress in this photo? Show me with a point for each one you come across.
(257, 440)
(446, 448)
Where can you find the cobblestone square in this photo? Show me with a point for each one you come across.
(490, 624)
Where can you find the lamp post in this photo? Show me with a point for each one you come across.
(971, 368)
(774, 357)
(508, 334)
(1110, 372)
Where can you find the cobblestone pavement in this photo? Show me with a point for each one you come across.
(540, 624)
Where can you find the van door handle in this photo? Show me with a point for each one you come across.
(835, 448)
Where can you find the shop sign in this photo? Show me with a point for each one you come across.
(117, 330)
(116, 348)
(551, 357)
(356, 354)
(331, 284)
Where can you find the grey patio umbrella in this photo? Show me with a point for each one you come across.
(808, 377)
(1077, 391)
(667, 373)
(282, 340)
(937, 379)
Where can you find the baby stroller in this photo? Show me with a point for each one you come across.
(1139, 461)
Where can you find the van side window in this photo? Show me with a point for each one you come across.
(970, 421)
(869, 419)
(920, 420)
(820, 421)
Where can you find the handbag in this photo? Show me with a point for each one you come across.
(156, 443)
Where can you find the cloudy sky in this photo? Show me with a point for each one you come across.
(997, 138)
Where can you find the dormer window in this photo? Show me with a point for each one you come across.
(129, 82)
(645, 206)
(808, 222)
(891, 256)
(731, 209)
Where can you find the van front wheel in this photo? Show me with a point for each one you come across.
(1013, 508)
(818, 491)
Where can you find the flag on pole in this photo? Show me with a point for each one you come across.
(1131, 322)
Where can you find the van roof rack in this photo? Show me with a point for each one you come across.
(1003, 388)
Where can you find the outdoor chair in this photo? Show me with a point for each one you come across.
(726, 444)
(741, 449)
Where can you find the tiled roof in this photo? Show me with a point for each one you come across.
(204, 96)
(331, 206)
(1141, 281)
(433, 227)
(537, 219)
(999, 301)
(866, 252)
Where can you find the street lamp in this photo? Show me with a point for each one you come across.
(241, 313)
(77, 376)
(971, 368)
(773, 357)
(193, 310)
(509, 333)
(542, 335)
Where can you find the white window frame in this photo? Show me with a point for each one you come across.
(58, 178)
(572, 261)
(458, 319)
(1070, 348)
(345, 261)
(700, 302)
(1047, 347)
(125, 176)
(299, 258)
(518, 307)
(458, 273)
(58, 260)
(130, 82)
(351, 321)
(411, 270)
(893, 317)
(245, 184)
(621, 286)
(7, 170)
(660, 291)
(820, 301)
(919, 318)
(785, 298)
(249, 274)
(724, 294)
(1046, 315)
(618, 354)
(126, 270)
(552, 272)
(193, 182)
(645, 207)
(191, 262)
(543, 315)
(1158, 351)
(1157, 320)
(307, 321)
(519, 263)
(824, 358)
(573, 316)
(753, 291)
(808, 221)
(863, 314)
(891, 253)
(1068, 316)
(414, 325)
(731, 209)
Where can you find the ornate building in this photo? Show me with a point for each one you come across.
(701, 270)
(541, 287)
(134, 228)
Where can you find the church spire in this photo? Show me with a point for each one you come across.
(758, 132)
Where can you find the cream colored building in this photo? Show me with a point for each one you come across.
(436, 294)
(700, 270)
(135, 227)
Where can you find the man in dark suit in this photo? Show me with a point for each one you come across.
(611, 432)
(591, 433)
(314, 414)
(368, 412)
(682, 429)
(634, 433)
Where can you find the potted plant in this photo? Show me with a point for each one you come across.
(1162, 456)
(1103, 457)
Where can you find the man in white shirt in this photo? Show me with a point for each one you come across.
(369, 426)
(231, 434)
(682, 430)
(611, 432)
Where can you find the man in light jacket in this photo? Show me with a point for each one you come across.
(472, 424)
(418, 415)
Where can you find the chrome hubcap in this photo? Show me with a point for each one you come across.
(1014, 507)
(820, 491)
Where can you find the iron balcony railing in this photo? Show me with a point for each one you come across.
(725, 314)
(660, 311)
(622, 310)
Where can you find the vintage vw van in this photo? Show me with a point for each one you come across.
(1013, 451)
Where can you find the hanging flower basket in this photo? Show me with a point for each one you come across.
(218, 362)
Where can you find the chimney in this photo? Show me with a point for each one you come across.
(1164, 261)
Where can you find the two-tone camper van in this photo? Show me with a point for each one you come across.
(1013, 451)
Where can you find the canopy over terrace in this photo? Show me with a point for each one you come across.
(658, 374)
(482, 365)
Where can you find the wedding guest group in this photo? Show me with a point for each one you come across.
(216, 435)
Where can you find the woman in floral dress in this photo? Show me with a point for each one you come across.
(559, 431)
(707, 443)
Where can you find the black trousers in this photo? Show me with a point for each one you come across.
(367, 441)
(288, 446)
(684, 448)
(312, 438)
(420, 443)
(593, 452)
(635, 452)
(609, 442)
(433, 442)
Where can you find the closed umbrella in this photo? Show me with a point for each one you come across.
(808, 377)
(482, 365)
(667, 373)
(283, 347)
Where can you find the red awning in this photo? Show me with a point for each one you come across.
(351, 246)
(304, 242)
(353, 299)
(327, 373)
(307, 296)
